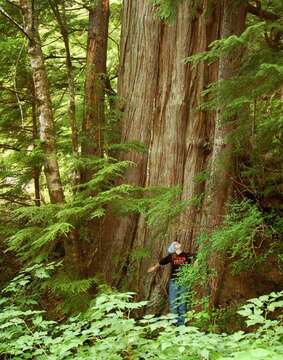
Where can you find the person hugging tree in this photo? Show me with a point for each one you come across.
(176, 292)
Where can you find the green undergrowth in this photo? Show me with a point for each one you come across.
(36, 232)
(107, 329)
(247, 239)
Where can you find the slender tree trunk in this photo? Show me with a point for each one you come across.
(73, 263)
(37, 169)
(219, 187)
(94, 115)
(47, 132)
(62, 22)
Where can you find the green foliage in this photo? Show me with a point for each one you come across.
(130, 146)
(245, 237)
(250, 102)
(108, 331)
(260, 73)
(26, 288)
(167, 9)
(38, 230)
(258, 309)
(43, 226)
(163, 206)
(243, 230)
(250, 233)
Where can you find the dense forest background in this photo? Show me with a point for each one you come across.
(126, 125)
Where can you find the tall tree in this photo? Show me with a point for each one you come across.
(162, 95)
(47, 132)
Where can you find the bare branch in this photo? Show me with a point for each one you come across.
(258, 11)
(8, 147)
(13, 201)
(14, 22)
(12, 3)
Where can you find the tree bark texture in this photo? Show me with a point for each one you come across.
(162, 95)
(36, 169)
(46, 121)
(221, 168)
(62, 22)
(94, 115)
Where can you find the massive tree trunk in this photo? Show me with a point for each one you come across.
(141, 40)
(94, 113)
(47, 132)
(161, 95)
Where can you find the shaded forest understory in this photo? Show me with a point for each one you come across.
(126, 125)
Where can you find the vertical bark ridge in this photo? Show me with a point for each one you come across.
(36, 169)
(95, 83)
(219, 186)
(200, 126)
(137, 89)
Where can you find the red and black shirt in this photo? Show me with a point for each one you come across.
(176, 261)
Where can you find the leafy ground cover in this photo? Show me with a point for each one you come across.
(107, 329)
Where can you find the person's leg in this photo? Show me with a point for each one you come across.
(181, 304)
(172, 295)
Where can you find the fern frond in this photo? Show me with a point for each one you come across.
(51, 233)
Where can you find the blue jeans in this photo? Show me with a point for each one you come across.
(177, 301)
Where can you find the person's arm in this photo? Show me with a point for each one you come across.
(153, 268)
(163, 261)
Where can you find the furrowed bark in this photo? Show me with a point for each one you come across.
(94, 116)
(161, 95)
(137, 89)
(219, 186)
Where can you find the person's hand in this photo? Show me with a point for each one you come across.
(153, 268)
